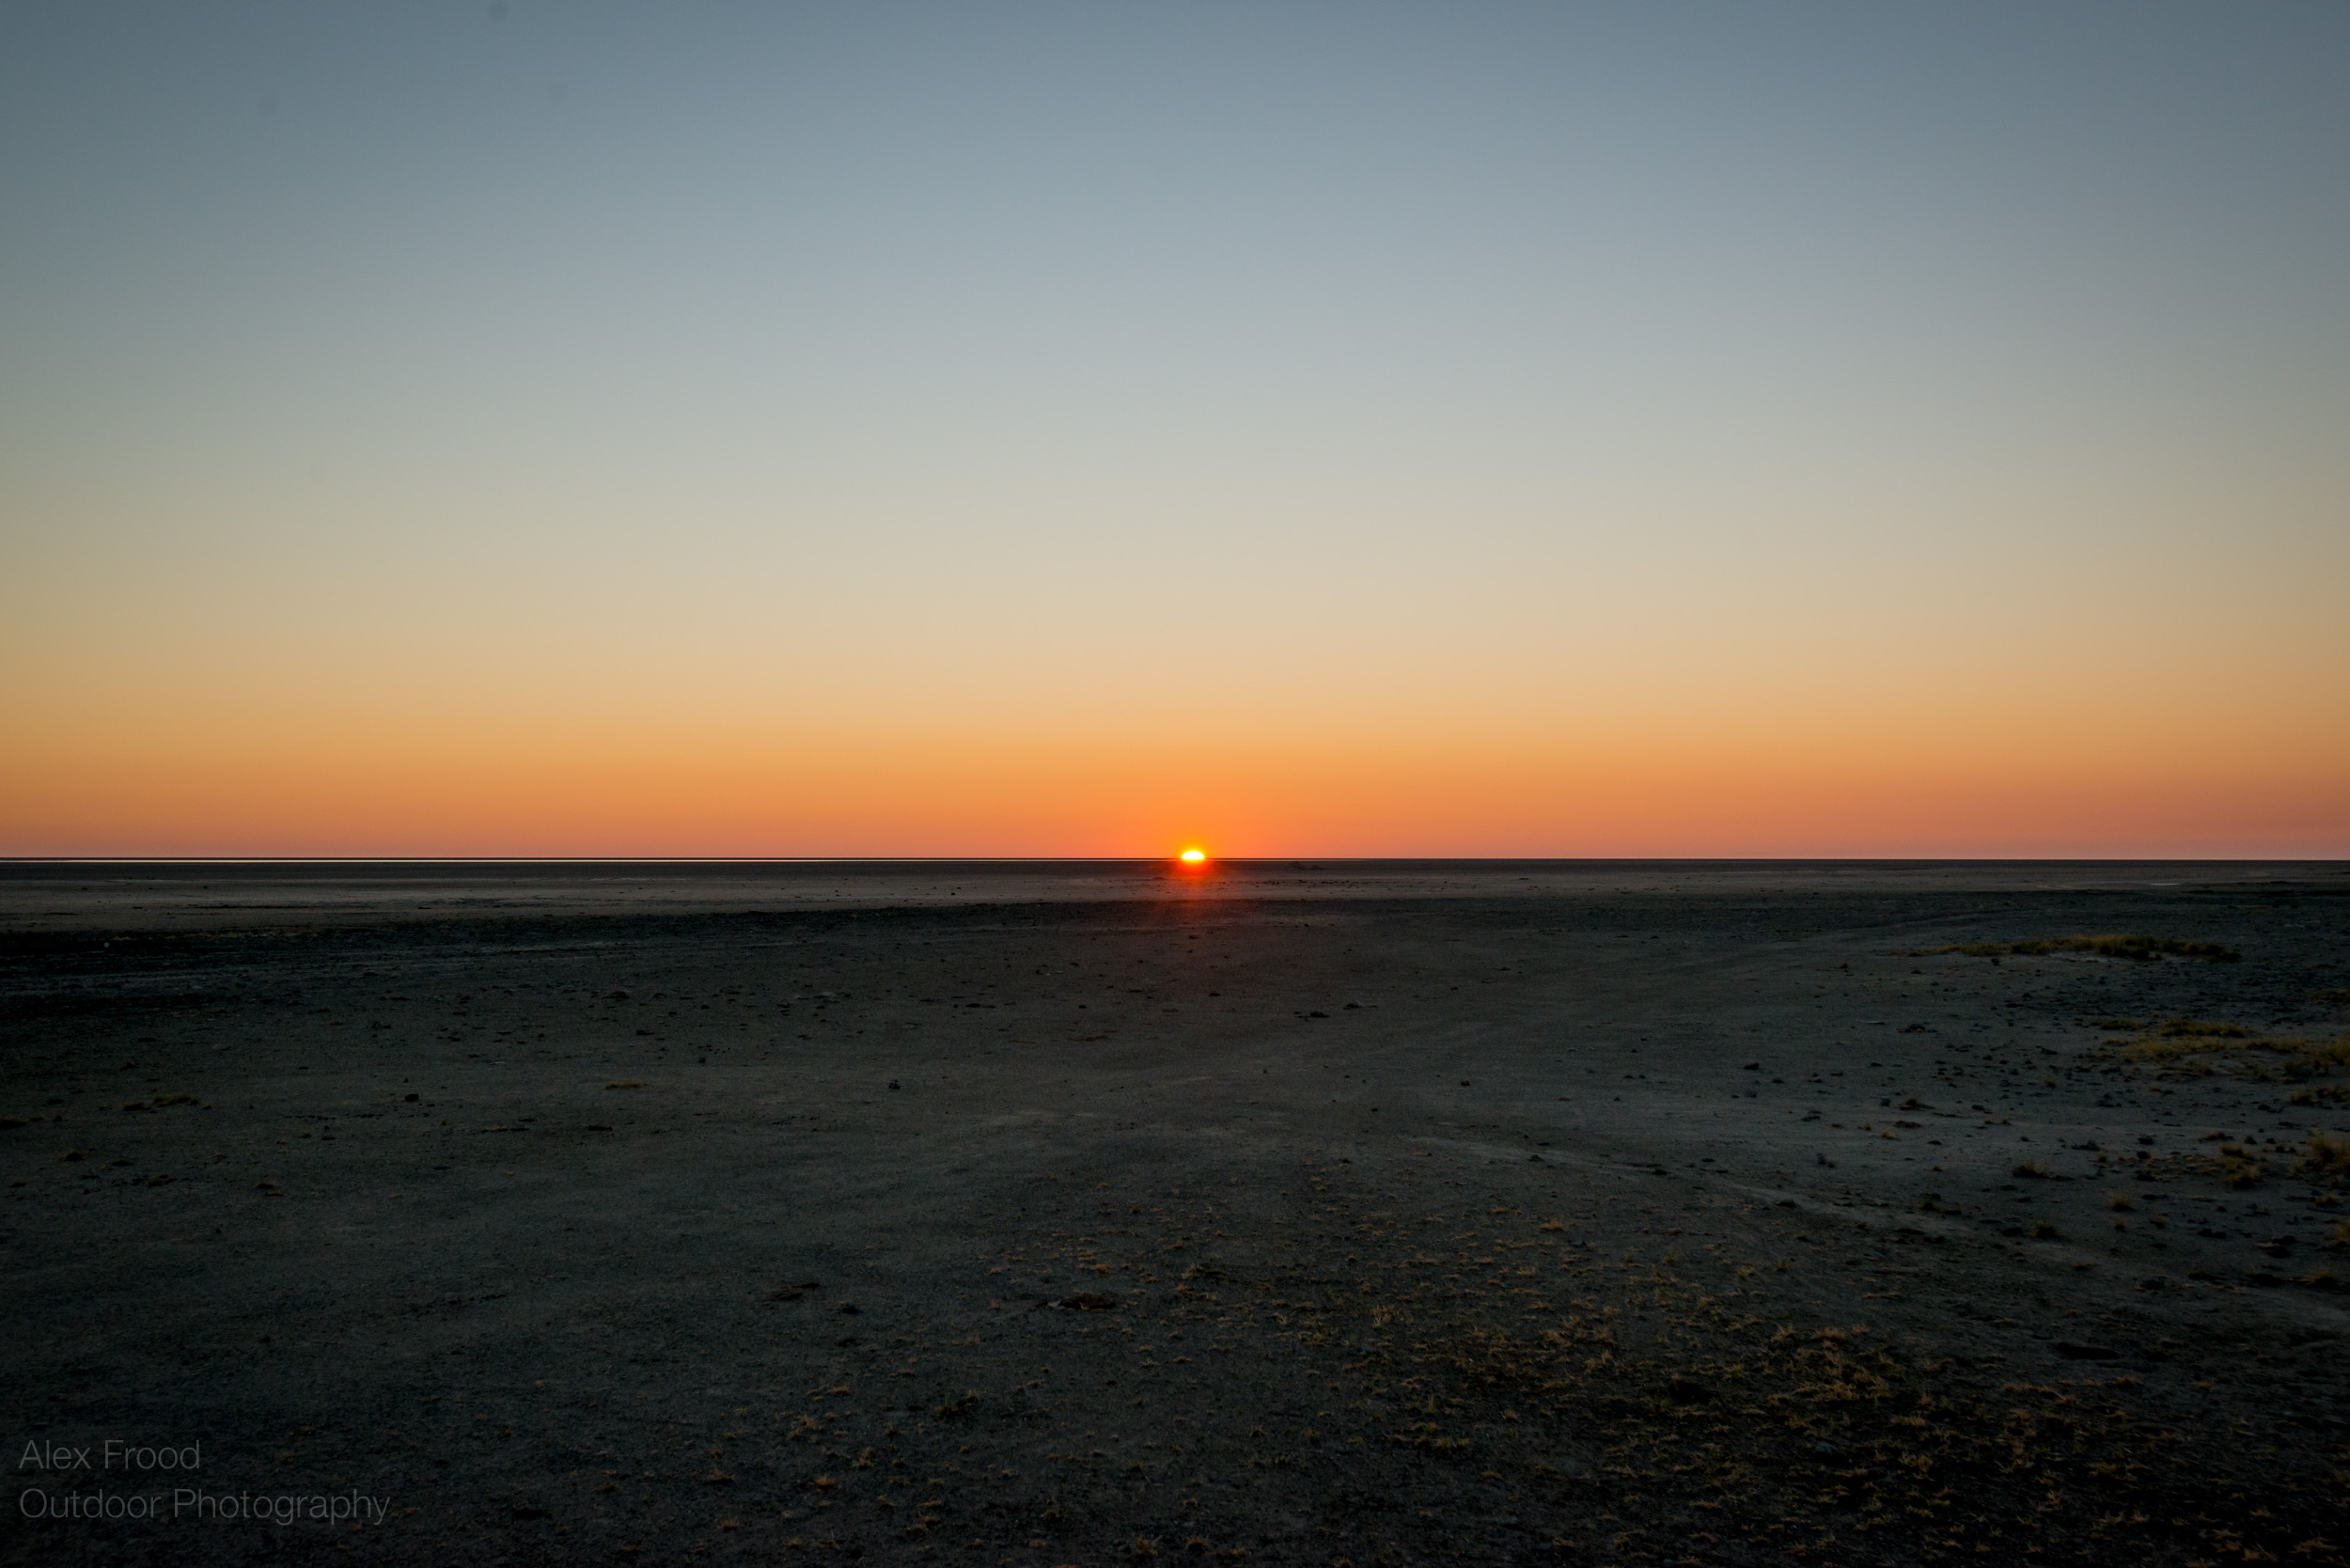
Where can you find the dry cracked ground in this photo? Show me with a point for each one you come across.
(1316, 1214)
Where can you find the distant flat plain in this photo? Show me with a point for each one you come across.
(1291, 1211)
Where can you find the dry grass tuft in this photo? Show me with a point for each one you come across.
(2325, 1159)
(2236, 1166)
(2240, 1166)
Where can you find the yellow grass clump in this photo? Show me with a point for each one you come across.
(2185, 1046)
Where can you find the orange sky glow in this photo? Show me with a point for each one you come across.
(305, 793)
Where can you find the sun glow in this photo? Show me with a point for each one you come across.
(1193, 858)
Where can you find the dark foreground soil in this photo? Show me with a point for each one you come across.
(1561, 1215)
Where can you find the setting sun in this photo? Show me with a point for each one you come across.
(1193, 858)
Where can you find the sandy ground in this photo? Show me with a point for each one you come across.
(1303, 1213)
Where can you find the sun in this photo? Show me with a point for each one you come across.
(1193, 857)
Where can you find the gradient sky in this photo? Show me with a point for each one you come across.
(1082, 430)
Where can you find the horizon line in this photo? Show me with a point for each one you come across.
(1161, 859)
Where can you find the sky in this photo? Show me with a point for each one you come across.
(1092, 429)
